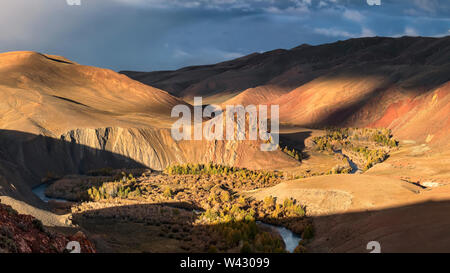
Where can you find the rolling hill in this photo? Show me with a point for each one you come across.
(58, 117)
(397, 83)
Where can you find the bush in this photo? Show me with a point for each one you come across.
(213, 169)
(38, 225)
(225, 196)
(11, 211)
(269, 202)
(288, 203)
(246, 248)
(293, 153)
(212, 249)
(123, 189)
(299, 210)
(102, 172)
(308, 233)
(168, 192)
(300, 248)
(8, 244)
(384, 137)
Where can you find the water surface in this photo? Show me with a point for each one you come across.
(290, 239)
(40, 192)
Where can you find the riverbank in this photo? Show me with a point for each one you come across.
(46, 217)
(40, 191)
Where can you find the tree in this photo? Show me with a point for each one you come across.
(168, 192)
(269, 202)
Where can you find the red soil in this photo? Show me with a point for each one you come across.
(25, 235)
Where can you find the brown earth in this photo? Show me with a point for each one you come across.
(349, 211)
(44, 95)
(324, 195)
(371, 101)
(257, 95)
(416, 164)
(415, 224)
(396, 83)
(58, 117)
(21, 233)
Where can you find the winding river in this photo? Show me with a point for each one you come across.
(290, 239)
(40, 192)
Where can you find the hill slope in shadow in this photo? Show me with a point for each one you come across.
(397, 83)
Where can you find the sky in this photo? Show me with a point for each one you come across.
(148, 35)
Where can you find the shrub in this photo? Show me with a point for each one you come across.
(168, 192)
(299, 210)
(269, 202)
(225, 196)
(308, 233)
(8, 243)
(213, 169)
(246, 248)
(11, 211)
(300, 248)
(137, 192)
(288, 203)
(212, 249)
(102, 172)
(293, 153)
(38, 225)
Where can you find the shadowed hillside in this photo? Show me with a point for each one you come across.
(397, 83)
(288, 69)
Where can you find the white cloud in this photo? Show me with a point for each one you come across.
(353, 15)
(179, 53)
(322, 4)
(148, 32)
(334, 32)
(231, 55)
(409, 31)
(207, 53)
(366, 32)
(272, 6)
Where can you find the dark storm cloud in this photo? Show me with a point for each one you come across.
(167, 34)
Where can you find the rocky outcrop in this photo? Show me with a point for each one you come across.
(30, 158)
(156, 149)
(25, 234)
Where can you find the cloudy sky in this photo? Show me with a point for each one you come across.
(151, 35)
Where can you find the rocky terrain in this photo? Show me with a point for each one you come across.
(364, 148)
(26, 234)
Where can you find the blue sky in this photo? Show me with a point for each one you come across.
(151, 35)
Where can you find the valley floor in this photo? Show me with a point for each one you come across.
(401, 202)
